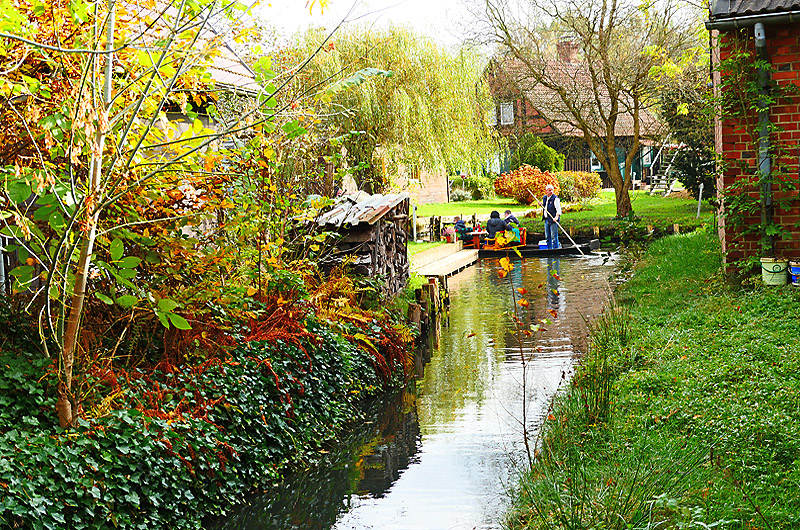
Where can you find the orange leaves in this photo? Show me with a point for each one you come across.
(507, 267)
(523, 302)
(553, 313)
(525, 184)
(521, 290)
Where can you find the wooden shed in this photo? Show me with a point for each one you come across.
(374, 229)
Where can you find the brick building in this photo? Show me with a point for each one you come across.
(525, 106)
(762, 142)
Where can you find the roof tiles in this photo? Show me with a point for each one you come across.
(736, 8)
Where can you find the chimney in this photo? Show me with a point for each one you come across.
(567, 50)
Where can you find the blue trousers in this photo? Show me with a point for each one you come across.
(551, 233)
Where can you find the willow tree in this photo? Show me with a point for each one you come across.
(394, 101)
(589, 63)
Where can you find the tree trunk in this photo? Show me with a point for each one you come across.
(623, 201)
(66, 406)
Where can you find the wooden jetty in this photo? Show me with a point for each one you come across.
(443, 261)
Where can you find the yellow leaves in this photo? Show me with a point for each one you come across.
(521, 290)
(506, 264)
(502, 273)
(523, 302)
(322, 5)
(251, 291)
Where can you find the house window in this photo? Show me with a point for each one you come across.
(595, 165)
(506, 113)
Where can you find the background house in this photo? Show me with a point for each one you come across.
(768, 30)
(523, 106)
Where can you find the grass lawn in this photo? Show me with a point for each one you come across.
(467, 208)
(648, 207)
(416, 248)
(685, 412)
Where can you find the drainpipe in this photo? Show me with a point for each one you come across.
(764, 162)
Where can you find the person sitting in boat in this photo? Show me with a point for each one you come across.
(495, 225)
(461, 229)
(551, 213)
(510, 218)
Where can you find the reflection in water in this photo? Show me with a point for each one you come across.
(367, 462)
(443, 456)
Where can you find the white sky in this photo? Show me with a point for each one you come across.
(446, 21)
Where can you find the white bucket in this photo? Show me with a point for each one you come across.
(774, 271)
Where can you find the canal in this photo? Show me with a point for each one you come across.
(443, 455)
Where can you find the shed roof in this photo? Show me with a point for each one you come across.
(736, 8)
(359, 208)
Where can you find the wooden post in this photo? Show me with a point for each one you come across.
(596, 230)
(433, 294)
(571, 231)
(415, 315)
(676, 229)
(649, 229)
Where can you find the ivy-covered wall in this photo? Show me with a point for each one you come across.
(736, 136)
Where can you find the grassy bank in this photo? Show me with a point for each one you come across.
(684, 414)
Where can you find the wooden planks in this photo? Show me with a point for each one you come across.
(449, 264)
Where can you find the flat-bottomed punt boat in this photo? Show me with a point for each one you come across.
(533, 251)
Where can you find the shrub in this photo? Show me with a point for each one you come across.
(578, 185)
(532, 151)
(480, 187)
(526, 184)
(566, 181)
(459, 195)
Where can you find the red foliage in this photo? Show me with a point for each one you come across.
(526, 184)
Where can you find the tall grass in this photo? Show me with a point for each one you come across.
(685, 412)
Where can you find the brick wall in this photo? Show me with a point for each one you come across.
(736, 142)
(430, 187)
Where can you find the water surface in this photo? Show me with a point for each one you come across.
(443, 455)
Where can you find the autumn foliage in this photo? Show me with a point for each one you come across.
(526, 184)
(578, 185)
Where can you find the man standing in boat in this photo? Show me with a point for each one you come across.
(551, 213)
